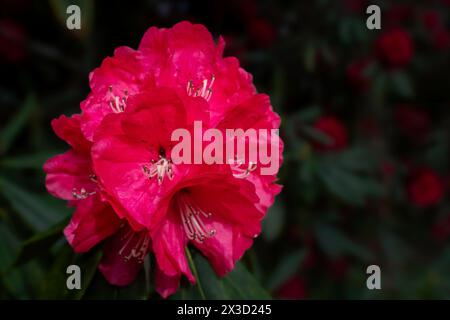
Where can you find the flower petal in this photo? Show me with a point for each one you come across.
(226, 247)
(115, 266)
(169, 242)
(166, 285)
(68, 129)
(92, 222)
(66, 172)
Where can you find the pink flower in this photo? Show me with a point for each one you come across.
(204, 205)
(121, 177)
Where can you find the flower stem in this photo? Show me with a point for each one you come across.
(194, 270)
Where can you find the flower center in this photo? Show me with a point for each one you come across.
(135, 245)
(192, 218)
(160, 168)
(204, 91)
(116, 103)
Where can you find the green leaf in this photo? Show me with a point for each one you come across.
(308, 114)
(30, 161)
(394, 247)
(402, 84)
(286, 269)
(18, 282)
(334, 243)
(100, 289)
(32, 208)
(339, 174)
(378, 91)
(245, 284)
(316, 135)
(309, 57)
(54, 285)
(273, 223)
(342, 184)
(238, 284)
(355, 159)
(39, 243)
(8, 247)
(16, 124)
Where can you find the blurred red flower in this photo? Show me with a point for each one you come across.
(293, 289)
(356, 74)
(432, 20)
(412, 122)
(335, 130)
(394, 48)
(425, 188)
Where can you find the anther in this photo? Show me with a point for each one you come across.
(205, 90)
(192, 220)
(82, 194)
(117, 104)
(160, 169)
(238, 169)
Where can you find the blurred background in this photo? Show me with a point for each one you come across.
(365, 121)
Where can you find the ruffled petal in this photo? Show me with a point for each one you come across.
(166, 285)
(117, 78)
(68, 172)
(227, 245)
(68, 129)
(93, 221)
(169, 243)
(123, 256)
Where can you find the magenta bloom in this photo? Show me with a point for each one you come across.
(120, 175)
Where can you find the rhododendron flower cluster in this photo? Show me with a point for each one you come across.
(118, 173)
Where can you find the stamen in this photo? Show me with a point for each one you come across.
(204, 91)
(135, 246)
(239, 171)
(192, 219)
(83, 194)
(117, 104)
(161, 168)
